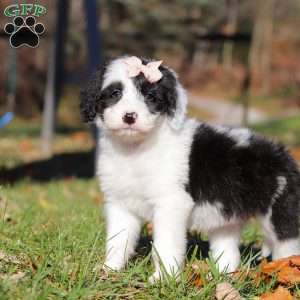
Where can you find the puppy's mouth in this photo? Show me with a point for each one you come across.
(127, 130)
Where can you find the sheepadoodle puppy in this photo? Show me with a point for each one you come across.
(156, 165)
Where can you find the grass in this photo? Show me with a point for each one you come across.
(286, 130)
(53, 234)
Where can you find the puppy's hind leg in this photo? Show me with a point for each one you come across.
(224, 245)
(281, 225)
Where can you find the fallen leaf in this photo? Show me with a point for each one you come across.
(26, 145)
(200, 265)
(81, 136)
(274, 266)
(254, 274)
(295, 260)
(280, 294)
(225, 291)
(97, 199)
(296, 153)
(9, 258)
(199, 273)
(286, 269)
(198, 282)
(14, 277)
(289, 275)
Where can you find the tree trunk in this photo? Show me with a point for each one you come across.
(230, 29)
(261, 45)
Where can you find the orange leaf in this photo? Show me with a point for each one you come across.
(289, 275)
(274, 266)
(26, 145)
(80, 136)
(287, 269)
(296, 153)
(277, 265)
(295, 260)
(198, 282)
(198, 269)
(280, 294)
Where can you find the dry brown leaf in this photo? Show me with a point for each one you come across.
(81, 136)
(296, 153)
(200, 265)
(97, 199)
(289, 275)
(198, 282)
(26, 145)
(225, 291)
(295, 260)
(250, 273)
(14, 277)
(9, 258)
(274, 266)
(287, 269)
(280, 294)
(199, 273)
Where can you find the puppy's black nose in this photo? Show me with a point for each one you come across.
(130, 118)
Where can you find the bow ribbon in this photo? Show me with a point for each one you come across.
(151, 70)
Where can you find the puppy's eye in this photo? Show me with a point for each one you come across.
(116, 94)
(151, 97)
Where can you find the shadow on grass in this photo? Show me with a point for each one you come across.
(60, 166)
(34, 130)
(199, 249)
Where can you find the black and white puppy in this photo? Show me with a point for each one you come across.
(155, 165)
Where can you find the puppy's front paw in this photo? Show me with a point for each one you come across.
(112, 265)
(228, 264)
(155, 277)
(159, 275)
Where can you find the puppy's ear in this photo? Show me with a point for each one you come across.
(177, 120)
(90, 95)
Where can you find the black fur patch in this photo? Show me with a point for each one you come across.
(244, 179)
(161, 96)
(109, 96)
(90, 95)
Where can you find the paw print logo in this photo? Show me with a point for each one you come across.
(24, 32)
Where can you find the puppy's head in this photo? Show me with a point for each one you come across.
(132, 106)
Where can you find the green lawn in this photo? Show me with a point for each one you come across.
(286, 130)
(53, 235)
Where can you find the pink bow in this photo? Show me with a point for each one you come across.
(150, 71)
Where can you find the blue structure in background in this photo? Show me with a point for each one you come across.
(6, 119)
(11, 88)
(94, 54)
(93, 35)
